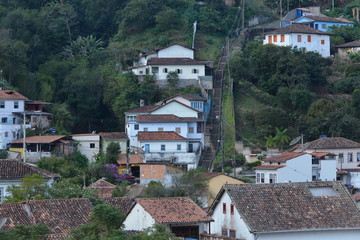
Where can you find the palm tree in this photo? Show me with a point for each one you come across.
(281, 138)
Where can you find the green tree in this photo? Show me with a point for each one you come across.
(356, 101)
(105, 223)
(31, 187)
(156, 232)
(35, 232)
(167, 19)
(173, 79)
(3, 154)
(112, 152)
(281, 138)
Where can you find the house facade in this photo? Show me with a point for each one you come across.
(174, 58)
(88, 145)
(117, 137)
(180, 215)
(348, 48)
(297, 167)
(13, 171)
(301, 37)
(285, 211)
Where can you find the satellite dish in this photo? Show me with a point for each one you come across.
(2, 222)
(295, 140)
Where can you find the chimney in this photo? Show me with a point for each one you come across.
(142, 103)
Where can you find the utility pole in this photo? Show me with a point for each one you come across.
(24, 138)
(333, 4)
(280, 9)
(243, 15)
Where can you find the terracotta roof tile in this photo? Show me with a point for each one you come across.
(297, 28)
(14, 169)
(173, 210)
(322, 154)
(104, 188)
(165, 118)
(173, 61)
(160, 136)
(42, 139)
(134, 159)
(283, 157)
(332, 143)
(11, 95)
(269, 167)
(14, 214)
(356, 197)
(144, 109)
(124, 204)
(293, 206)
(349, 44)
(113, 135)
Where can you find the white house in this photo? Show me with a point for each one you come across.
(296, 211)
(88, 144)
(180, 215)
(174, 58)
(297, 167)
(13, 171)
(301, 37)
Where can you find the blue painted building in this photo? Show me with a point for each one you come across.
(323, 23)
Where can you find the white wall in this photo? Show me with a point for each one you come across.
(346, 164)
(186, 71)
(84, 145)
(138, 219)
(228, 221)
(355, 179)
(170, 146)
(176, 109)
(328, 170)
(297, 170)
(176, 51)
(12, 131)
(314, 45)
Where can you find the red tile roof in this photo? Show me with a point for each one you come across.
(134, 159)
(349, 44)
(165, 118)
(269, 167)
(293, 206)
(322, 154)
(14, 169)
(328, 19)
(40, 139)
(356, 197)
(173, 61)
(103, 187)
(144, 109)
(332, 143)
(113, 135)
(297, 28)
(14, 214)
(283, 157)
(11, 95)
(160, 136)
(173, 210)
(124, 204)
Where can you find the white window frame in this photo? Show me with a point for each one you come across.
(350, 157)
(92, 145)
(178, 147)
(16, 104)
(163, 147)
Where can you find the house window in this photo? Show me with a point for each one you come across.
(299, 38)
(141, 72)
(178, 130)
(315, 161)
(322, 42)
(2, 104)
(275, 38)
(92, 145)
(272, 178)
(224, 209)
(160, 129)
(4, 120)
(178, 147)
(136, 127)
(162, 147)
(145, 129)
(199, 127)
(323, 25)
(232, 233)
(350, 157)
(316, 26)
(191, 130)
(224, 232)
(147, 71)
(262, 177)
(232, 209)
(358, 157)
(6, 134)
(258, 178)
(14, 134)
(195, 70)
(269, 39)
(16, 104)
(165, 70)
(14, 120)
(309, 38)
(178, 71)
(282, 38)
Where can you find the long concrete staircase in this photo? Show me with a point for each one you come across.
(213, 129)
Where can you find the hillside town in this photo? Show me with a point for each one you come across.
(246, 130)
